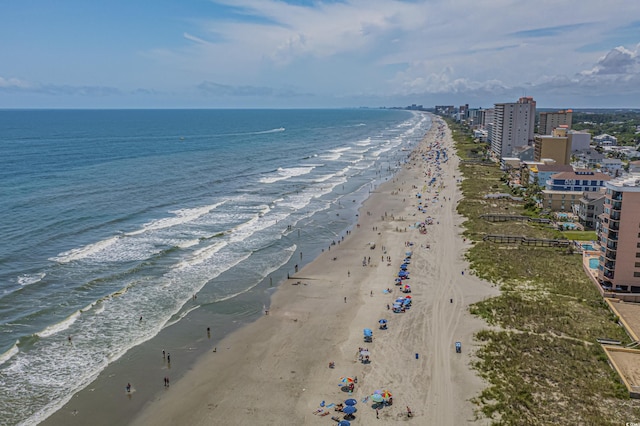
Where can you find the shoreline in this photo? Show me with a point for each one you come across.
(257, 372)
(274, 366)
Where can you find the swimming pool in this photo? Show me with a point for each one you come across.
(593, 263)
(587, 247)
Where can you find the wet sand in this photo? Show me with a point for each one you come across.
(276, 369)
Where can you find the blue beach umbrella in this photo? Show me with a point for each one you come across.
(383, 321)
(349, 409)
(344, 423)
(350, 402)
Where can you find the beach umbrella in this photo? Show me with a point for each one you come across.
(344, 423)
(351, 401)
(349, 410)
(365, 353)
(376, 397)
(368, 332)
(346, 380)
(386, 394)
(383, 321)
(408, 297)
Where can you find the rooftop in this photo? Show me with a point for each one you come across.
(582, 176)
(629, 182)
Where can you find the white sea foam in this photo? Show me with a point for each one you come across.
(365, 142)
(334, 154)
(61, 326)
(180, 217)
(201, 255)
(286, 173)
(13, 350)
(250, 227)
(323, 178)
(278, 130)
(188, 243)
(84, 252)
(28, 279)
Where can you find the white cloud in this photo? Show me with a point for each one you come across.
(13, 83)
(618, 61)
(377, 48)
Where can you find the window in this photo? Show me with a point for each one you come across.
(637, 254)
(637, 265)
(636, 274)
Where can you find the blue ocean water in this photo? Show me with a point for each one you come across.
(107, 216)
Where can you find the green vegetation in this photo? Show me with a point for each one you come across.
(622, 125)
(580, 235)
(540, 357)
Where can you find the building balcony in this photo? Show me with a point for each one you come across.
(612, 236)
(614, 226)
(610, 254)
(610, 265)
(616, 205)
(615, 195)
(614, 215)
(612, 246)
(608, 274)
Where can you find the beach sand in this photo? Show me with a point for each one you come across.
(276, 369)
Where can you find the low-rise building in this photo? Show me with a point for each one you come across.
(578, 140)
(577, 181)
(560, 201)
(591, 157)
(612, 166)
(605, 140)
(634, 166)
(590, 206)
(541, 173)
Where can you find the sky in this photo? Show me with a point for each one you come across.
(318, 53)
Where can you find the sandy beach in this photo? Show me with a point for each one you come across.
(276, 369)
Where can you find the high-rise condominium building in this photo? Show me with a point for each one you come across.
(619, 235)
(553, 120)
(512, 126)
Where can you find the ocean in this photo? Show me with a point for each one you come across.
(117, 224)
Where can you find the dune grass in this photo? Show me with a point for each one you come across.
(540, 357)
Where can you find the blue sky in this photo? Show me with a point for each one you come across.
(313, 53)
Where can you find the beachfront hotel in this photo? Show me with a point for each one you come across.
(553, 120)
(563, 191)
(556, 147)
(619, 235)
(513, 125)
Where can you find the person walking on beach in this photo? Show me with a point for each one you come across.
(128, 387)
(168, 358)
(345, 299)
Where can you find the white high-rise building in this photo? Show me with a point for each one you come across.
(513, 125)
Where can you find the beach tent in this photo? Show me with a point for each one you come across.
(376, 397)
